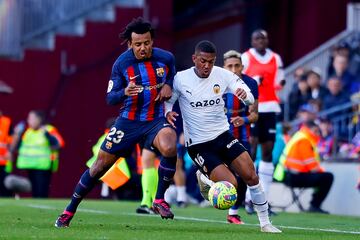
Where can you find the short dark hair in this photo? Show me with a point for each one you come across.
(259, 32)
(311, 124)
(205, 46)
(139, 26)
(41, 114)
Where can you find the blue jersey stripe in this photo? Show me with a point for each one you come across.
(145, 82)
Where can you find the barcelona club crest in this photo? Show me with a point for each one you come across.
(108, 145)
(160, 72)
(216, 88)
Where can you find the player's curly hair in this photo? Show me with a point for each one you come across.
(139, 26)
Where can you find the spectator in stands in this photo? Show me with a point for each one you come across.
(336, 96)
(350, 149)
(307, 112)
(299, 74)
(326, 143)
(340, 49)
(38, 146)
(313, 78)
(299, 165)
(299, 96)
(341, 71)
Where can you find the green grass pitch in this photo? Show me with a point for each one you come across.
(103, 219)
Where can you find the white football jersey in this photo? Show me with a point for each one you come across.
(201, 102)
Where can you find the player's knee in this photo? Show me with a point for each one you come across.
(251, 179)
(167, 149)
(98, 169)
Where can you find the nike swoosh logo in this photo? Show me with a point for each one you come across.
(131, 78)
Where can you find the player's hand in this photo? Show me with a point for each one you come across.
(132, 89)
(240, 93)
(171, 118)
(237, 121)
(164, 94)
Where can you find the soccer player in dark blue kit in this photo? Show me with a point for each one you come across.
(141, 80)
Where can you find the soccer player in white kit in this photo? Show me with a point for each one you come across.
(214, 150)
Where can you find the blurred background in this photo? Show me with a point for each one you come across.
(57, 55)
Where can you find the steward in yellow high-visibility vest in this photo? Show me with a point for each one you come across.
(38, 153)
(299, 165)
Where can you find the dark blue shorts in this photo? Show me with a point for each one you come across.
(125, 134)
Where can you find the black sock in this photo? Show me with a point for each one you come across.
(166, 172)
(84, 186)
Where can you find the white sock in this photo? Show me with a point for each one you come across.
(260, 204)
(233, 211)
(105, 192)
(247, 195)
(266, 171)
(170, 194)
(181, 194)
(206, 180)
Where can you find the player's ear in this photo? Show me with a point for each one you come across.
(129, 44)
(193, 58)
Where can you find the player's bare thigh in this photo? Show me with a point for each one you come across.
(165, 142)
(103, 162)
(244, 167)
(222, 173)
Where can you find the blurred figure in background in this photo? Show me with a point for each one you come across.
(335, 96)
(38, 148)
(149, 177)
(6, 132)
(299, 74)
(340, 64)
(326, 143)
(317, 90)
(307, 112)
(266, 67)
(299, 165)
(299, 96)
